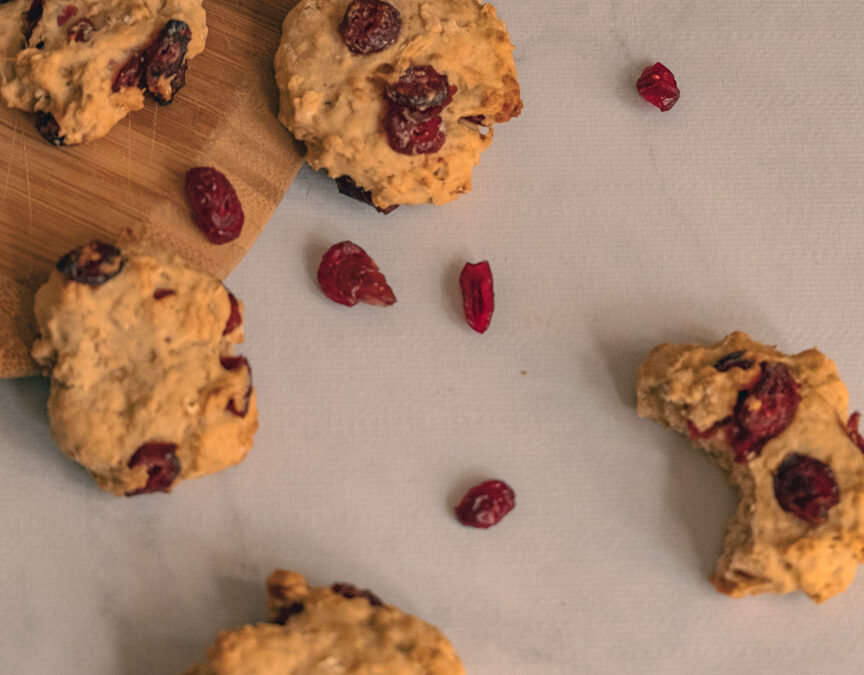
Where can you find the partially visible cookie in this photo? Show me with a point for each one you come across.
(396, 100)
(146, 390)
(329, 630)
(11, 36)
(778, 425)
(82, 66)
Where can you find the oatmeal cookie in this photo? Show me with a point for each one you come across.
(336, 629)
(11, 36)
(777, 424)
(396, 101)
(145, 388)
(82, 66)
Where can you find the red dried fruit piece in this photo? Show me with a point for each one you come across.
(349, 188)
(486, 504)
(215, 206)
(240, 409)
(764, 410)
(49, 128)
(162, 467)
(65, 14)
(806, 488)
(92, 264)
(234, 318)
(409, 135)
(164, 61)
(419, 88)
(80, 31)
(348, 275)
(478, 295)
(852, 430)
(370, 26)
(733, 360)
(160, 293)
(34, 16)
(351, 591)
(657, 86)
(129, 74)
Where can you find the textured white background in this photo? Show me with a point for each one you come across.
(610, 227)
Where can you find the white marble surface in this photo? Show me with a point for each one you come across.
(610, 227)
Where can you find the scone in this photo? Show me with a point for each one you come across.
(146, 390)
(329, 630)
(396, 101)
(778, 425)
(81, 67)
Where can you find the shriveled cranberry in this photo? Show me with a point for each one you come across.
(419, 88)
(234, 318)
(80, 31)
(348, 275)
(92, 264)
(164, 60)
(162, 467)
(160, 293)
(695, 434)
(284, 613)
(215, 206)
(852, 430)
(349, 188)
(370, 26)
(657, 86)
(806, 488)
(733, 360)
(486, 504)
(34, 16)
(478, 296)
(764, 410)
(49, 128)
(409, 135)
(233, 362)
(129, 74)
(65, 14)
(239, 408)
(351, 591)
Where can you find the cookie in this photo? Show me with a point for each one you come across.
(777, 424)
(82, 67)
(335, 629)
(396, 101)
(146, 390)
(11, 36)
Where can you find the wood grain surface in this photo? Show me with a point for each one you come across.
(129, 185)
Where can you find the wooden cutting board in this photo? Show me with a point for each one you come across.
(130, 183)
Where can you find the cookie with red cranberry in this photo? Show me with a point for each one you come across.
(82, 66)
(777, 424)
(397, 99)
(333, 629)
(146, 390)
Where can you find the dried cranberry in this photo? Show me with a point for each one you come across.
(733, 360)
(234, 317)
(852, 431)
(129, 74)
(351, 591)
(162, 467)
(164, 60)
(214, 203)
(282, 614)
(92, 264)
(347, 275)
(409, 135)
(160, 293)
(65, 14)
(240, 409)
(80, 31)
(349, 188)
(370, 26)
(478, 296)
(34, 16)
(49, 128)
(657, 86)
(764, 410)
(486, 504)
(806, 488)
(695, 434)
(419, 88)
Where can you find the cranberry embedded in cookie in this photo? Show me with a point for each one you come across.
(92, 264)
(370, 26)
(806, 488)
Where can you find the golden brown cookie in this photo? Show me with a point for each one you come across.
(83, 65)
(146, 390)
(777, 424)
(398, 113)
(329, 630)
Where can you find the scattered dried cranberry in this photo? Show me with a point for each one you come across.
(733, 360)
(160, 293)
(214, 204)
(129, 74)
(351, 591)
(657, 86)
(234, 318)
(764, 410)
(370, 26)
(49, 128)
(284, 613)
(92, 264)
(486, 504)
(349, 188)
(162, 467)
(419, 88)
(852, 430)
(409, 135)
(348, 275)
(65, 14)
(806, 488)
(34, 16)
(80, 31)
(478, 296)
(164, 61)
(232, 363)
